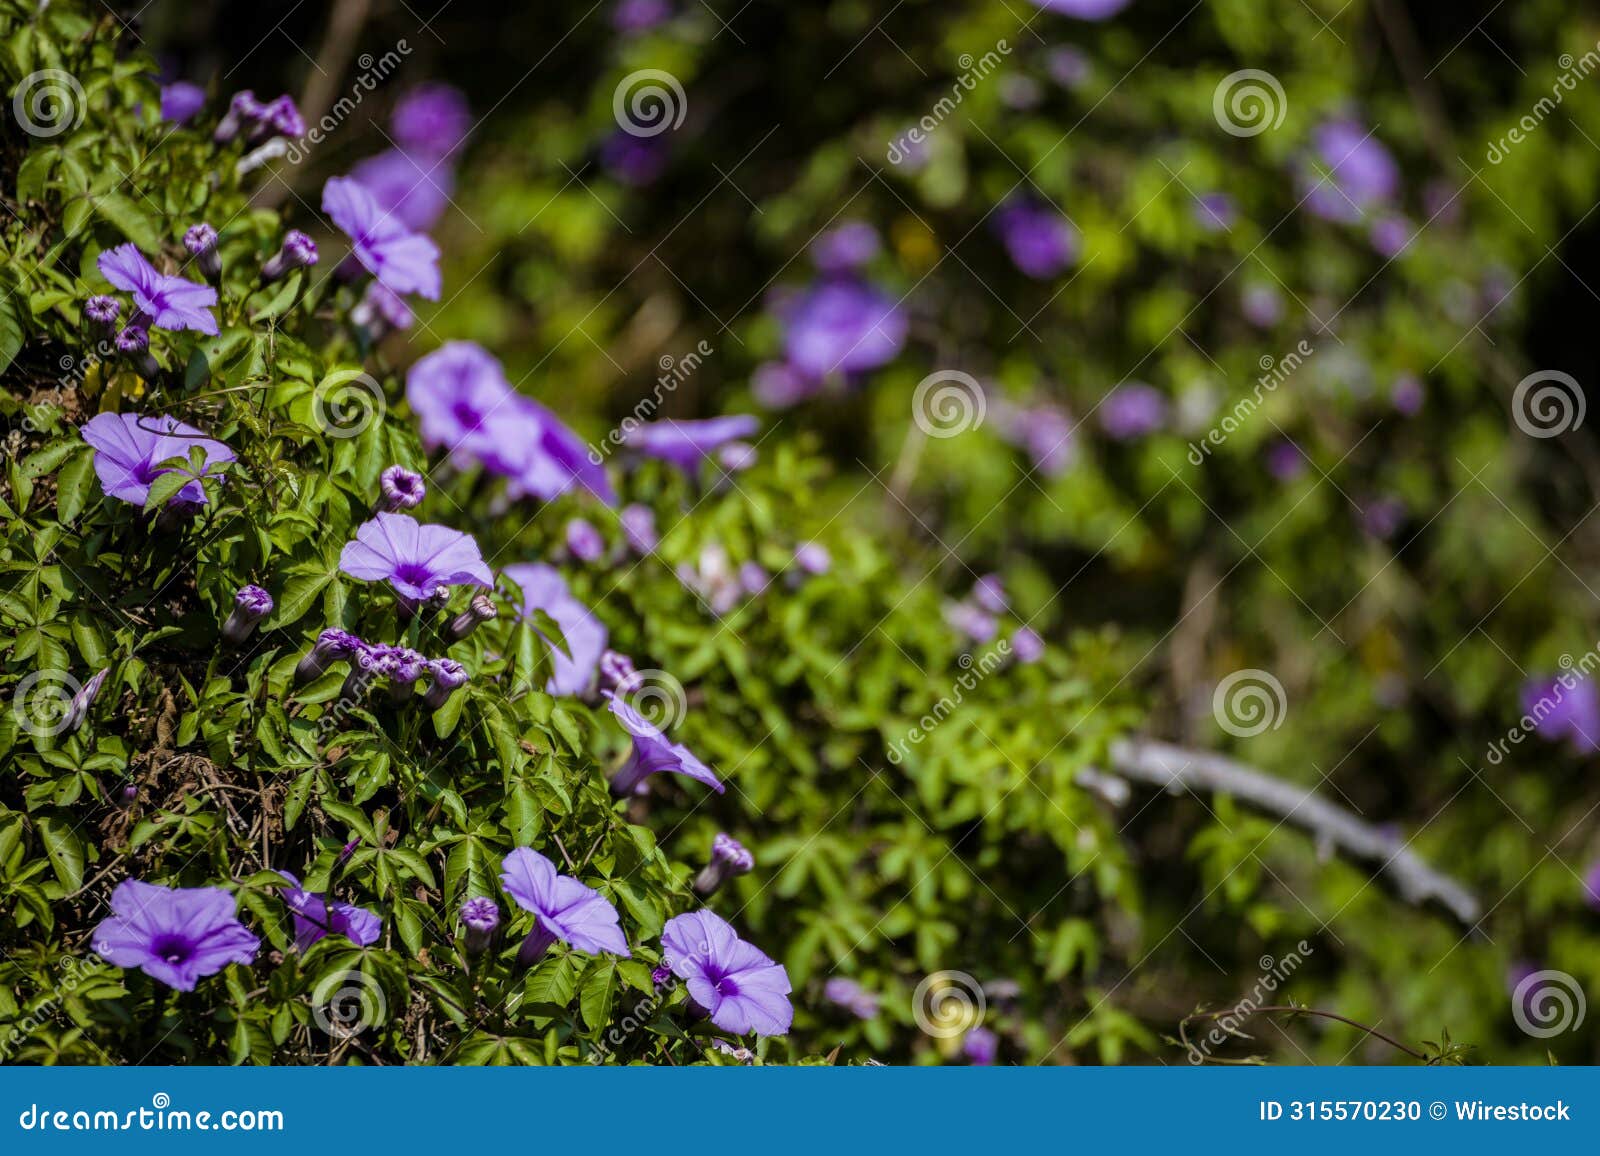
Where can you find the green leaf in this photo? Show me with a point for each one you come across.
(74, 484)
(598, 993)
(126, 214)
(63, 848)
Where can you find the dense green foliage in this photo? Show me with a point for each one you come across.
(1153, 576)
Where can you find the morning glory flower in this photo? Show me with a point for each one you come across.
(634, 16)
(617, 672)
(845, 248)
(1361, 174)
(989, 592)
(480, 916)
(729, 858)
(412, 188)
(1133, 410)
(841, 991)
(201, 242)
(431, 119)
(297, 252)
(315, 917)
(684, 444)
(130, 450)
(813, 558)
(379, 311)
(639, 528)
(976, 623)
(732, 981)
(653, 753)
(1085, 9)
(243, 109)
(250, 605)
(280, 117)
(637, 161)
(331, 646)
(584, 540)
(560, 459)
(778, 385)
(842, 325)
(174, 935)
(1040, 240)
(562, 907)
(1558, 711)
(459, 393)
(169, 302)
(981, 1046)
(413, 557)
(181, 101)
(448, 677)
(403, 261)
(78, 708)
(1027, 646)
(543, 588)
(480, 610)
(402, 489)
(102, 311)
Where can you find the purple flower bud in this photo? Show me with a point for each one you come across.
(250, 605)
(379, 311)
(129, 795)
(617, 673)
(1591, 885)
(728, 858)
(1027, 646)
(846, 993)
(639, 527)
(298, 251)
(78, 709)
(1263, 305)
(661, 975)
(134, 336)
(408, 667)
(244, 109)
(102, 311)
(736, 456)
(201, 241)
(481, 919)
(981, 1047)
(753, 577)
(480, 610)
(280, 118)
(403, 489)
(845, 248)
(1285, 461)
(813, 558)
(330, 647)
(970, 620)
(584, 541)
(448, 676)
(346, 851)
(989, 592)
(634, 16)
(1407, 395)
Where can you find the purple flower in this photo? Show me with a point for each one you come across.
(250, 605)
(543, 588)
(728, 859)
(1361, 175)
(1285, 460)
(281, 118)
(813, 558)
(639, 528)
(380, 310)
(981, 1046)
(584, 540)
(481, 918)
(1133, 410)
(1262, 305)
(845, 248)
(174, 935)
(637, 161)
(413, 557)
(480, 610)
(170, 302)
(315, 917)
(201, 242)
(135, 336)
(448, 676)
(403, 261)
(1558, 711)
(181, 101)
(732, 981)
(402, 489)
(1215, 212)
(297, 252)
(778, 385)
(653, 753)
(562, 907)
(842, 325)
(1407, 395)
(1390, 235)
(331, 646)
(1068, 66)
(736, 457)
(634, 16)
(1026, 645)
(975, 623)
(1039, 239)
(102, 310)
(78, 708)
(1383, 517)
(130, 450)
(1085, 9)
(617, 672)
(685, 444)
(412, 188)
(753, 578)
(989, 592)
(431, 119)
(243, 109)
(846, 993)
